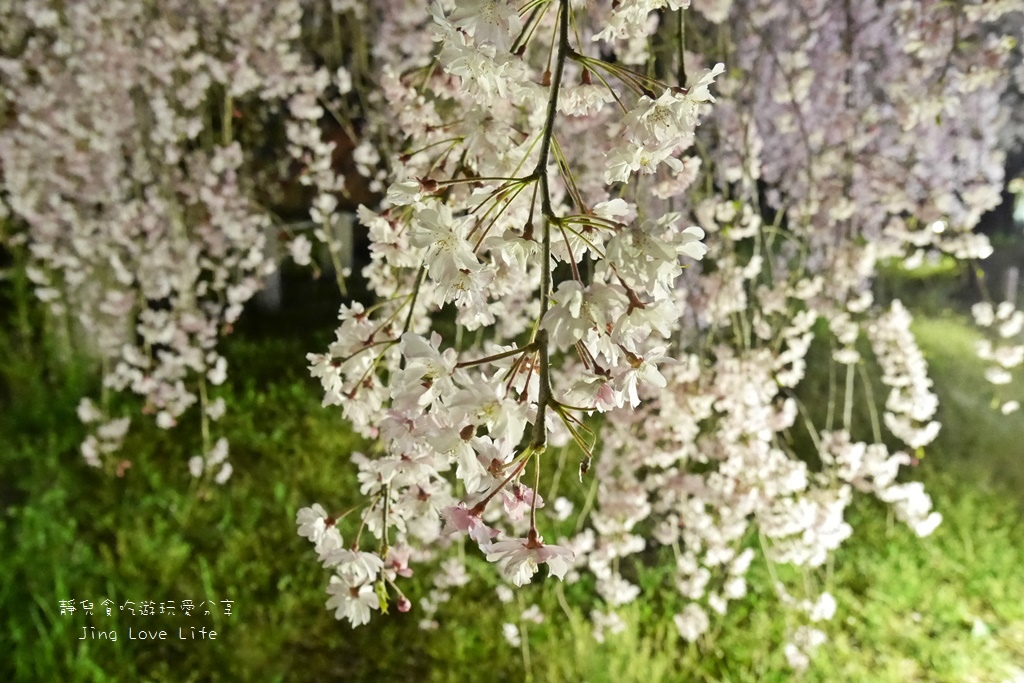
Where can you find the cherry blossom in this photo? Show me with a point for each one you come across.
(518, 558)
(354, 603)
(587, 241)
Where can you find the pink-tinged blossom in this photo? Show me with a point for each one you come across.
(458, 518)
(396, 562)
(518, 558)
(517, 500)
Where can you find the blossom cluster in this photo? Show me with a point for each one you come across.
(1003, 346)
(611, 231)
(649, 244)
(129, 161)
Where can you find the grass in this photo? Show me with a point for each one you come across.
(946, 608)
(973, 432)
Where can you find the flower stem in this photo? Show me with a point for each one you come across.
(497, 356)
(539, 439)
